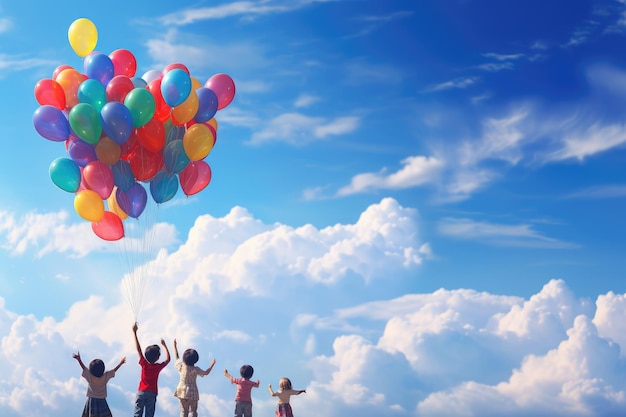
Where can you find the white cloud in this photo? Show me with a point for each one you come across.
(459, 83)
(306, 100)
(594, 139)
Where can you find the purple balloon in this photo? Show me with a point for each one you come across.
(51, 123)
(117, 121)
(99, 67)
(207, 105)
(80, 151)
(133, 201)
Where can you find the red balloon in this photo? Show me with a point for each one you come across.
(175, 65)
(129, 146)
(48, 91)
(152, 135)
(110, 228)
(145, 164)
(118, 87)
(195, 177)
(124, 62)
(98, 177)
(162, 110)
(224, 87)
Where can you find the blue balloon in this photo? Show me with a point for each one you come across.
(117, 121)
(175, 87)
(207, 105)
(123, 176)
(51, 123)
(174, 132)
(133, 201)
(99, 67)
(80, 151)
(175, 157)
(163, 187)
(139, 82)
(92, 92)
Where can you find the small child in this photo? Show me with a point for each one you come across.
(243, 397)
(187, 389)
(150, 369)
(97, 378)
(283, 408)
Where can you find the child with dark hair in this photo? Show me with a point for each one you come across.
(150, 369)
(187, 389)
(243, 397)
(96, 404)
(283, 408)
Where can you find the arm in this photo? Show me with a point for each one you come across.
(300, 391)
(227, 375)
(272, 393)
(80, 361)
(137, 345)
(167, 352)
(176, 350)
(123, 361)
(210, 368)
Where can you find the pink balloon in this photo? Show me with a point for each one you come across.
(124, 62)
(224, 87)
(99, 178)
(195, 177)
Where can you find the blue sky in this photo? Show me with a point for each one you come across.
(417, 209)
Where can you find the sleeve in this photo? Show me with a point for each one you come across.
(256, 384)
(178, 366)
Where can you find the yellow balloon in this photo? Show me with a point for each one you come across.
(198, 142)
(83, 36)
(89, 205)
(185, 111)
(114, 207)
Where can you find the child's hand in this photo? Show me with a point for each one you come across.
(269, 386)
(163, 342)
(76, 355)
(123, 360)
(212, 363)
(135, 327)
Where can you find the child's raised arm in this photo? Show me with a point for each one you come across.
(167, 352)
(210, 368)
(123, 361)
(176, 350)
(227, 375)
(272, 393)
(80, 361)
(137, 345)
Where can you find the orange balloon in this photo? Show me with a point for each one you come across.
(198, 141)
(89, 205)
(107, 150)
(70, 79)
(185, 111)
(195, 84)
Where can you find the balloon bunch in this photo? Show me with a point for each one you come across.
(122, 131)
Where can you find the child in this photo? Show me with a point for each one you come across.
(243, 399)
(187, 389)
(283, 409)
(150, 369)
(96, 405)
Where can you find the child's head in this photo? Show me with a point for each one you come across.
(246, 371)
(96, 367)
(190, 357)
(284, 384)
(152, 353)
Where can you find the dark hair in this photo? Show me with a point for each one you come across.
(96, 367)
(153, 352)
(190, 357)
(246, 371)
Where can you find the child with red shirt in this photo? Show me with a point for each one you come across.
(243, 397)
(150, 369)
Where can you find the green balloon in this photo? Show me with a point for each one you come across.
(65, 174)
(86, 122)
(141, 104)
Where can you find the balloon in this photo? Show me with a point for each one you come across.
(195, 84)
(163, 187)
(70, 80)
(124, 62)
(174, 132)
(83, 36)
(80, 151)
(123, 176)
(195, 177)
(151, 75)
(58, 70)
(99, 67)
(133, 202)
(152, 135)
(144, 163)
(114, 207)
(110, 228)
(175, 65)
(162, 110)
(89, 205)
(85, 122)
(141, 104)
(198, 141)
(99, 178)
(65, 174)
(207, 105)
(92, 92)
(117, 121)
(118, 87)
(48, 91)
(139, 82)
(185, 111)
(175, 87)
(224, 88)
(50, 122)
(174, 156)
(213, 122)
(108, 151)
